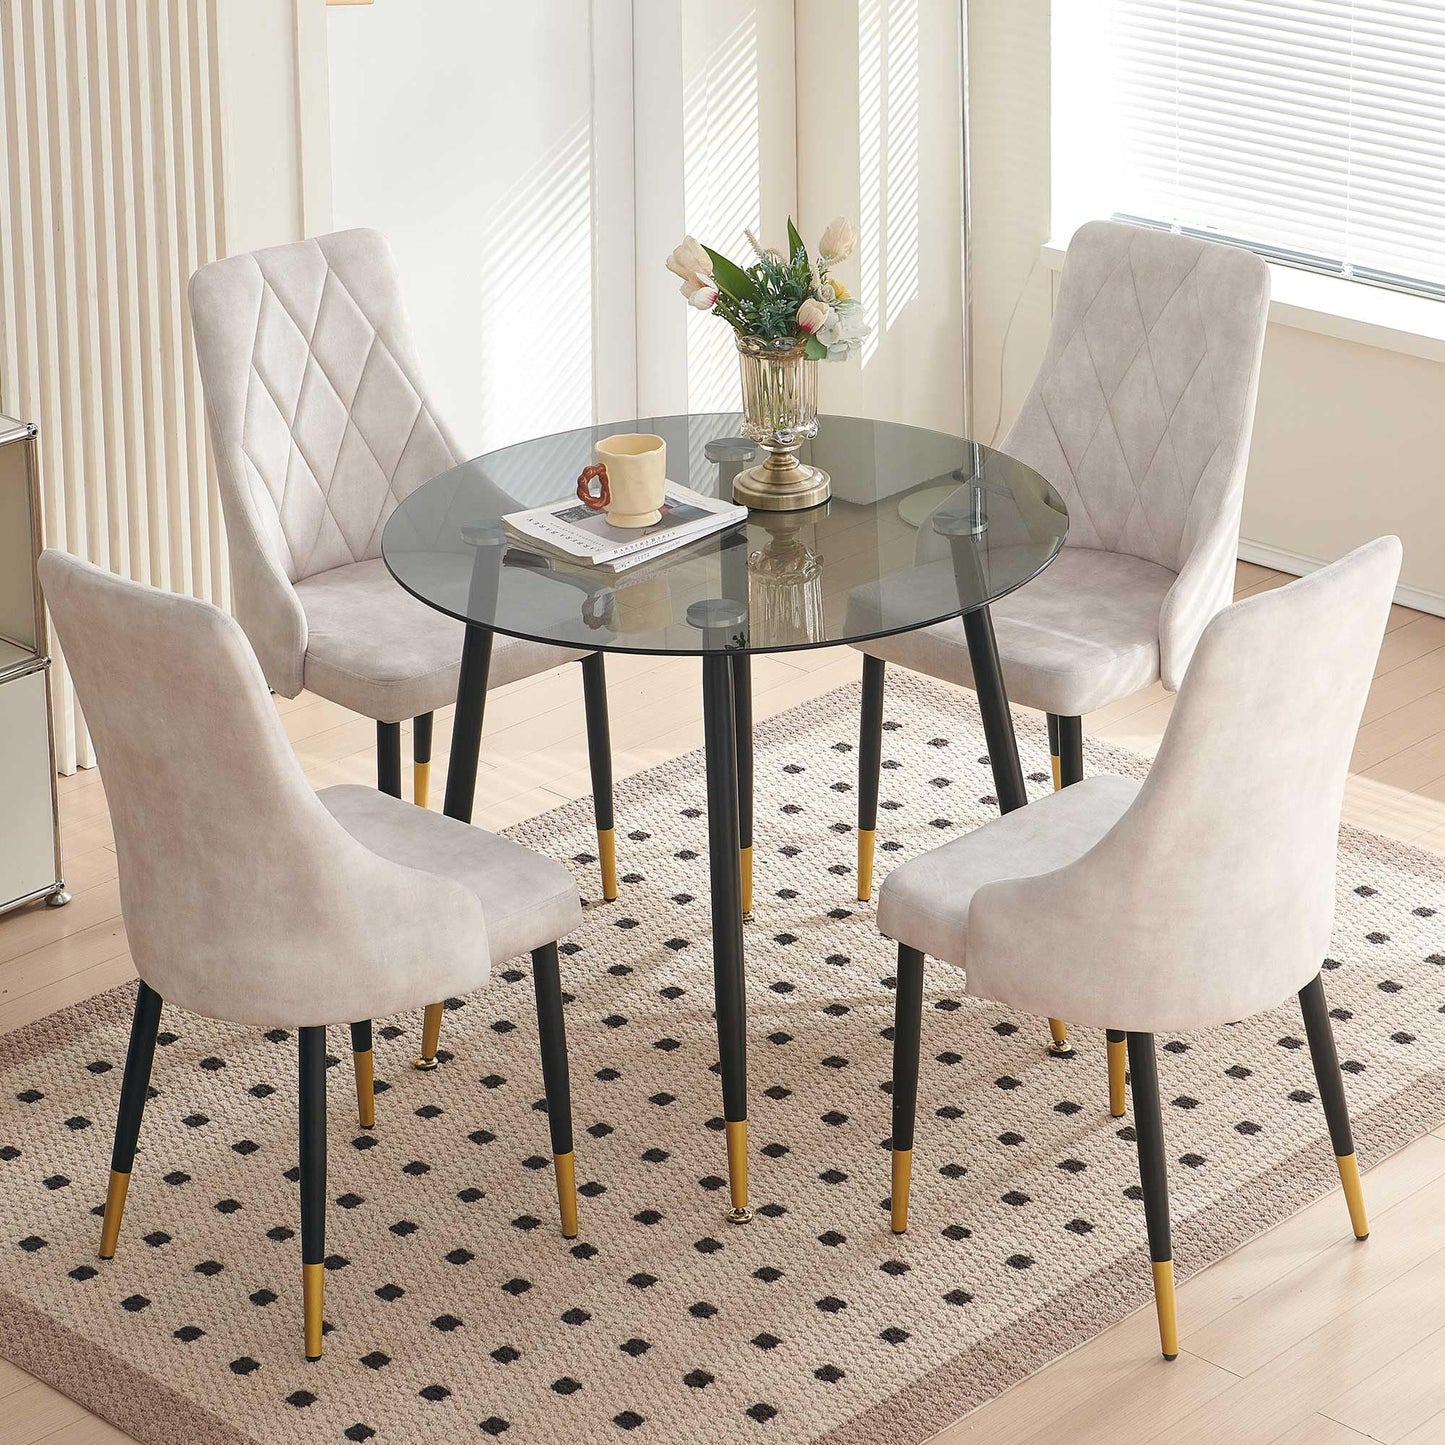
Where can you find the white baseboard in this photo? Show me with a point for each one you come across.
(1298, 566)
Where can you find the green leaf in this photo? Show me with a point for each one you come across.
(733, 279)
(795, 241)
(814, 350)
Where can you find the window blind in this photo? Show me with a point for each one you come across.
(1310, 130)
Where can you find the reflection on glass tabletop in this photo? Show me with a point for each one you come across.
(922, 527)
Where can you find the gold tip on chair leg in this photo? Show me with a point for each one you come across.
(114, 1208)
(1354, 1194)
(566, 1170)
(365, 1088)
(902, 1178)
(737, 1136)
(1059, 1044)
(1164, 1306)
(1058, 772)
(745, 869)
(607, 861)
(420, 783)
(1118, 1052)
(866, 837)
(313, 1293)
(431, 1033)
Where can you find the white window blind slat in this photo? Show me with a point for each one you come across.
(1313, 130)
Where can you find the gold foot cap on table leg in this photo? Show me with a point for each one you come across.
(1354, 1194)
(1118, 1076)
(114, 1208)
(745, 871)
(420, 783)
(1059, 1045)
(566, 1170)
(313, 1292)
(1058, 771)
(1164, 1307)
(365, 1088)
(607, 862)
(866, 838)
(737, 1136)
(902, 1177)
(431, 1034)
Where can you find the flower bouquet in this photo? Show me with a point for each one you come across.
(788, 313)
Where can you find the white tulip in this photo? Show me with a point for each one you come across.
(689, 261)
(838, 240)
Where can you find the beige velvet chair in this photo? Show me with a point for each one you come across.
(1140, 417)
(1199, 897)
(321, 424)
(248, 897)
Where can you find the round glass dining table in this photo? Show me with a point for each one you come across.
(922, 528)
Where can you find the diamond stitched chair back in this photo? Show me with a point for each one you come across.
(248, 897)
(1202, 896)
(319, 418)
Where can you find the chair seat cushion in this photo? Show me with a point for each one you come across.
(527, 900)
(1082, 634)
(925, 902)
(373, 648)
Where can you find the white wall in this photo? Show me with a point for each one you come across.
(532, 215)
(879, 140)
(469, 135)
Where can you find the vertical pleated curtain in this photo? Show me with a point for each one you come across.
(110, 196)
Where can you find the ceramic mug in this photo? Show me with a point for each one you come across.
(631, 475)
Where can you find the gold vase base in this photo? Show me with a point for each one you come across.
(782, 484)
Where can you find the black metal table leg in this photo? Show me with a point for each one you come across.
(729, 985)
(743, 713)
(467, 723)
(998, 727)
(461, 782)
(1003, 747)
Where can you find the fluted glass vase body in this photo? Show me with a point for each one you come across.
(780, 413)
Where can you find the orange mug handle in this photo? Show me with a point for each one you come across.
(594, 502)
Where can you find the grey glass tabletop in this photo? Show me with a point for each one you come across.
(922, 527)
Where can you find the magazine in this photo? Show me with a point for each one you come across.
(571, 530)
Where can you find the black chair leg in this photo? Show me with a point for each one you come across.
(311, 1056)
(134, 1082)
(421, 733)
(599, 758)
(552, 1028)
(388, 758)
(361, 1058)
(870, 766)
(1154, 1177)
(907, 1028)
(1066, 753)
(1321, 1035)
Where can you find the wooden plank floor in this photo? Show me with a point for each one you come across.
(1300, 1338)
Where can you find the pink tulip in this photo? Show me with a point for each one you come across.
(813, 315)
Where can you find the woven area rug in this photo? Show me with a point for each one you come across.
(459, 1313)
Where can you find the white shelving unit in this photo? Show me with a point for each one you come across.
(30, 861)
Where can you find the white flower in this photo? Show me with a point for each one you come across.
(692, 263)
(845, 334)
(690, 259)
(838, 240)
(814, 317)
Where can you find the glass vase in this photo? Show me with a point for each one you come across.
(780, 413)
